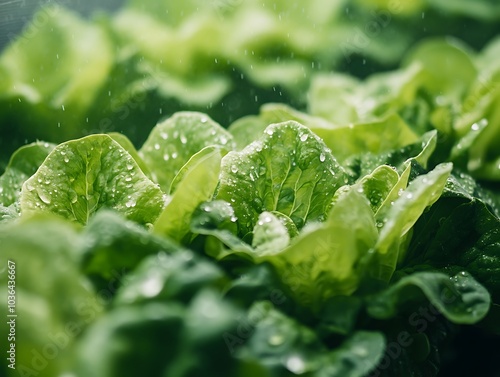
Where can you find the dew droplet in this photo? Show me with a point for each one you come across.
(322, 157)
(44, 197)
(130, 203)
(304, 137)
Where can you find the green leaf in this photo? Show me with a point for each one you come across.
(270, 236)
(192, 163)
(126, 144)
(217, 218)
(112, 246)
(356, 356)
(421, 193)
(421, 152)
(279, 342)
(174, 141)
(130, 340)
(164, 276)
(56, 68)
(287, 222)
(460, 232)
(55, 301)
(81, 176)
(443, 60)
(22, 165)
(258, 282)
(339, 89)
(8, 213)
(287, 347)
(277, 113)
(380, 95)
(288, 170)
(460, 298)
(197, 185)
(327, 259)
(349, 139)
(173, 78)
(244, 130)
(339, 315)
(378, 185)
(375, 137)
(204, 349)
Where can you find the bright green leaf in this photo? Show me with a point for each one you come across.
(327, 259)
(197, 185)
(81, 176)
(22, 165)
(288, 170)
(460, 298)
(270, 236)
(174, 141)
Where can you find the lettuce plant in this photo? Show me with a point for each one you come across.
(197, 255)
(290, 220)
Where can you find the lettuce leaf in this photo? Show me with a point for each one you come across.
(80, 176)
(288, 170)
(167, 149)
(22, 165)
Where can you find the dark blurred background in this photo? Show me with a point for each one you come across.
(14, 14)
